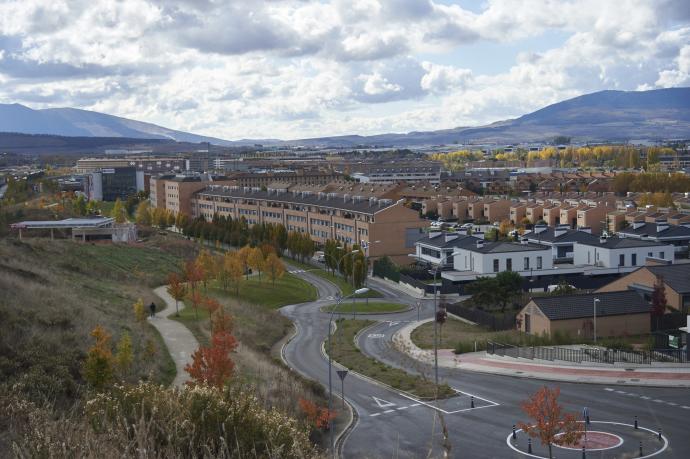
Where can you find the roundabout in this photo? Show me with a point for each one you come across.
(610, 440)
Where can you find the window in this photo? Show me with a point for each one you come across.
(634, 259)
(509, 264)
(538, 262)
(526, 263)
(495, 265)
(650, 254)
(661, 255)
(621, 259)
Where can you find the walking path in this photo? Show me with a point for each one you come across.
(179, 340)
(666, 376)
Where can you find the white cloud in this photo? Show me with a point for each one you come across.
(296, 68)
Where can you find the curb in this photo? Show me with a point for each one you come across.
(338, 313)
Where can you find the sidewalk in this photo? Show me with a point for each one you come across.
(179, 340)
(665, 376)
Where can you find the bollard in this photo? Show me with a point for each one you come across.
(583, 453)
(529, 446)
(471, 402)
(659, 436)
(636, 422)
(514, 433)
(641, 453)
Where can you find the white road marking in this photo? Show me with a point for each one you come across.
(644, 397)
(490, 403)
(382, 403)
(376, 335)
(608, 389)
(415, 404)
(375, 414)
(685, 407)
(672, 403)
(658, 401)
(403, 408)
(388, 411)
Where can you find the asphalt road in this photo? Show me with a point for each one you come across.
(392, 425)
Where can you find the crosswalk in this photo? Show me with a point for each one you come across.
(296, 271)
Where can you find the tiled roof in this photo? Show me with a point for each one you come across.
(564, 307)
(651, 230)
(570, 235)
(503, 247)
(440, 241)
(621, 243)
(676, 276)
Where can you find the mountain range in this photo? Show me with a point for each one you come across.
(600, 116)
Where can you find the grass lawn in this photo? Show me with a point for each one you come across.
(288, 289)
(373, 306)
(345, 287)
(346, 353)
(461, 336)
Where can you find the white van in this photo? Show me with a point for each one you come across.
(319, 257)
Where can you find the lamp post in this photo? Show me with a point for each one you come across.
(330, 362)
(596, 300)
(440, 265)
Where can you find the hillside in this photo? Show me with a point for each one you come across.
(73, 122)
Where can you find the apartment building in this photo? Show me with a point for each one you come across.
(518, 212)
(397, 172)
(616, 252)
(388, 227)
(592, 217)
(534, 213)
(175, 193)
(551, 214)
(460, 210)
(497, 211)
(147, 164)
(300, 176)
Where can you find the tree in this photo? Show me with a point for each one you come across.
(212, 365)
(319, 418)
(232, 267)
(658, 300)
(196, 298)
(177, 289)
(243, 257)
(192, 274)
(207, 266)
(274, 267)
(98, 366)
(255, 260)
(211, 305)
(551, 424)
(508, 285)
(221, 321)
(124, 355)
(143, 213)
(119, 212)
(139, 310)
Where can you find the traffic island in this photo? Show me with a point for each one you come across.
(605, 439)
(372, 307)
(345, 352)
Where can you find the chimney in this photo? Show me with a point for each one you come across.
(560, 230)
(433, 234)
(450, 236)
(524, 241)
(638, 224)
(480, 243)
(585, 229)
(661, 225)
(539, 228)
(602, 240)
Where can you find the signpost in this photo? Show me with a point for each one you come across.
(419, 307)
(341, 375)
(585, 418)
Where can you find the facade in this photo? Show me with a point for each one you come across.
(147, 164)
(561, 239)
(497, 211)
(618, 314)
(394, 173)
(676, 279)
(593, 217)
(386, 226)
(174, 192)
(301, 177)
(114, 183)
(534, 213)
(518, 212)
(437, 248)
(616, 252)
(490, 258)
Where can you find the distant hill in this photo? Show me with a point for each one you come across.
(73, 122)
(600, 116)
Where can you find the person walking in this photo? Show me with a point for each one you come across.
(152, 308)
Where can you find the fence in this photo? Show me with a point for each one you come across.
(495, 323)
(591, 355)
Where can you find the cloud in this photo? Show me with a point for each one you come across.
(299, 68)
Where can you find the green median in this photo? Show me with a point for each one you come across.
(373, 307)
(345, 352)
(345, 287)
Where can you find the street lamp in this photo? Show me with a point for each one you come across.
(596, 300)
(440, 265)
(359, 291)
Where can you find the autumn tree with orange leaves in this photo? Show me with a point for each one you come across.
(193, 274)
(197, 299)
(211, 305)
(177, 290)
(550, 423)
(319, 418)
(212, 365)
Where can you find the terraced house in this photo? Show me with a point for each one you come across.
(386, 226)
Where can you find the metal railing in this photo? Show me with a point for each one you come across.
(588, 355)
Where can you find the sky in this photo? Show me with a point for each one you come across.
(289, 69)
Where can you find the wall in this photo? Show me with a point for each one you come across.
(608, 326)
(644, 277)
(609, 258)
(483, 263)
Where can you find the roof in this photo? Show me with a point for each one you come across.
(622, 243)
(564, 307)
(329, 200)
(570, 235)
(502, 247)
(650, 229)
(94, 222)
(676, 276)
(440, 241)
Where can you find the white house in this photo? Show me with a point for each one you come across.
(487, 258)
(438, 246)
(561, 239)
(616, 252)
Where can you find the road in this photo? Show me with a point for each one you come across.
(3, 188)
(390, 424)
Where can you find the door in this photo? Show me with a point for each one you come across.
(528, 324)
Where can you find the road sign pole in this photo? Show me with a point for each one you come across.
(341, 375)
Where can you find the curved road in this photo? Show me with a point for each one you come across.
(391, 424)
